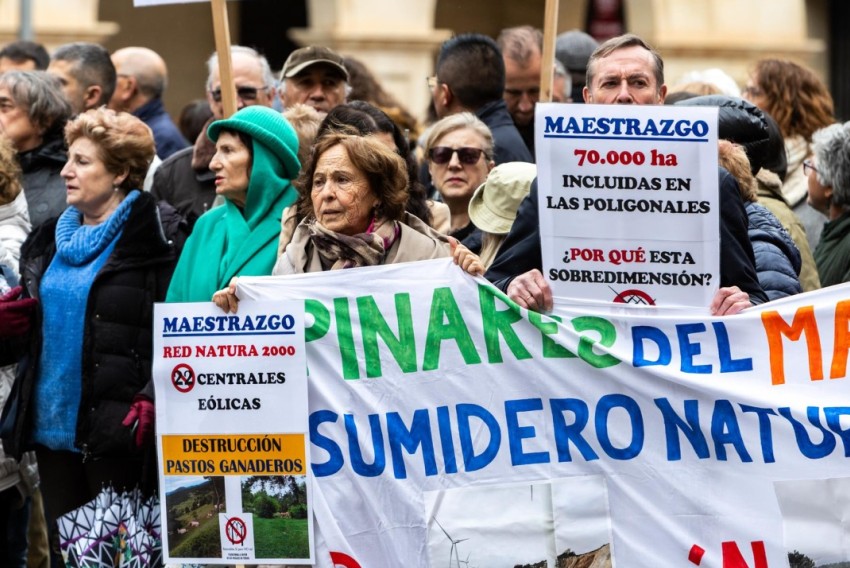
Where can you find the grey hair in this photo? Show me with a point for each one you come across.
(41, 94)
(561, 71)
(266, 70)
(831, 146)
(456, 122)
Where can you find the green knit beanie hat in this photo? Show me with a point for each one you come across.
(267, 127)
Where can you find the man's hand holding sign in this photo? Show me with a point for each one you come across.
(626, 71)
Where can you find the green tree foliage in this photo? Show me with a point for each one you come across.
(797, 559)
(264, 506)
(218, 490)
(298, 511)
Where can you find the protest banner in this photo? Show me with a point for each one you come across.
(628, 203)
(447, 423)
(231, 402)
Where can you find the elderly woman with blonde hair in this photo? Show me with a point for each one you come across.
(459, 150)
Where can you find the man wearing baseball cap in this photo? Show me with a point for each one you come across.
(314, 76)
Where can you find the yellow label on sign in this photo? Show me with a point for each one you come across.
(243, 454)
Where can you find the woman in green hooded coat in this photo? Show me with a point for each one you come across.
(255, 161)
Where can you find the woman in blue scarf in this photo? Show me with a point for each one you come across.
(85, 400)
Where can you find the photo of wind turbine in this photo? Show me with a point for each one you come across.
(453, 552)
(554, 523)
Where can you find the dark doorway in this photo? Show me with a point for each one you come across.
(263, 25)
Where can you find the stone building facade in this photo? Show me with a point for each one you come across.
(399, 40)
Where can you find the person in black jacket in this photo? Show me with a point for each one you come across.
(626, 70)
(776, 256)
(139, 89)
(747, 145)
(184, 180)
(33, 112)
(85, 397)
(471, 77)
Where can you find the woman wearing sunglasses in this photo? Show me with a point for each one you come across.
(459, 149)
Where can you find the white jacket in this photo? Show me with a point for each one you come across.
(14, 228)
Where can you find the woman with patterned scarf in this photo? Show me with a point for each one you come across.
(353, 196)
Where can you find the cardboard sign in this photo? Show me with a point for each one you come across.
(628, 203)
(231, 401)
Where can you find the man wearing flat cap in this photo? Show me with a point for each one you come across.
(315, 76)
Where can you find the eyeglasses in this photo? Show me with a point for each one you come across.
(751, 91)
(244, 93)
(808, 168)
(443, 155)
(432, 82)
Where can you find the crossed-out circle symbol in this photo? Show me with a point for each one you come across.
(183, 378)
(235, 530)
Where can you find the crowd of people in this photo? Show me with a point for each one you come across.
(108, 206)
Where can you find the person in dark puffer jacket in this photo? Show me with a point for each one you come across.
(84, 396)
(743, 123)
(777, 258)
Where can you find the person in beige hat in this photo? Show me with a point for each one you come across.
(494, 204)
(314, 76)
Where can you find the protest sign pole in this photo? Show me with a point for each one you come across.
(221, 29)
(547, 65)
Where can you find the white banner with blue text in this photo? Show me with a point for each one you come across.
(447, 425)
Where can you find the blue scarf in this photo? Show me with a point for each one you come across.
(81, 251)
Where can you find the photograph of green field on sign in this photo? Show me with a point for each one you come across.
(279, 505)
(192, 505)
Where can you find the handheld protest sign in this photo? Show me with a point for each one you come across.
(232, 423)
(628, 203)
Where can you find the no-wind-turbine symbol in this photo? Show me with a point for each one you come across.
(455, 542)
